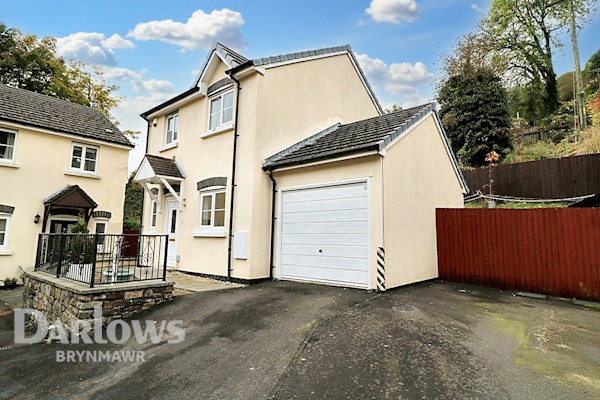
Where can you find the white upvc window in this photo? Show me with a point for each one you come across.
(84, 158)
(4, 230)
(221, 110)
(212, 213)
(100, 228)
(8, 141)
(154, 215)
(172, 128)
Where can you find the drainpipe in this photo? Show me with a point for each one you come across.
(235, 137)
(143, 192)
(273, 218)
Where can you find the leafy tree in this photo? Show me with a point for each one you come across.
(591, 73)
(393, 108)
(565, 87)
(30, 63)
(474, 111)
(472, 52)
(133, 203)
(524, 32)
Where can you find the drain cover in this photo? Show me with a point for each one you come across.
(404, 308)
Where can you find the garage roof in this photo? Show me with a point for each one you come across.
(340, 140)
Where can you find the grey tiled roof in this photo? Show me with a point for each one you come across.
(41, 111)
(164, 166)
(300, 54)
(369, 134)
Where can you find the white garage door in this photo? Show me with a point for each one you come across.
(325, 235)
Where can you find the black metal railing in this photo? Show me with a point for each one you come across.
(100, 259)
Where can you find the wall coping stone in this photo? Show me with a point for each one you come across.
(84, 289)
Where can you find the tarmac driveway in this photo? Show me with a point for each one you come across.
(289, 340)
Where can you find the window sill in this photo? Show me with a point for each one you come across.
(169, 146)
(216, 131)
(92, 175)
(5, 252)
(9, 164)
(212, 233)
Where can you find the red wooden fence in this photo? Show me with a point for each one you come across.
(549, 251)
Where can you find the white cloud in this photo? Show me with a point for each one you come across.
(128, 113)
(199, 32)
(399, 79)
(409, 73)
(478, 8)
(393, 11)
(158, 86)
(137, 81)
(91, 47)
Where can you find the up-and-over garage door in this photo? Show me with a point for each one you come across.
(325, 235)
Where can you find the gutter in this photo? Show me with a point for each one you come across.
(273, 218)
(233, 165)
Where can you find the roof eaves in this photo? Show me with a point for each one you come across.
(124, 142)
(303, 143)
(170, 101)
(332, 155)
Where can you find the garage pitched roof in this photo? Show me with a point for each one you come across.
(339, 140)
(41, 111)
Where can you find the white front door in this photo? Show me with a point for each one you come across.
(325, 235)
(171, 224)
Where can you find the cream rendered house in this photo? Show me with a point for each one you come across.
(58, 161)
(285, 167)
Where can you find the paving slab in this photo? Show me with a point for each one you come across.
(193, 283)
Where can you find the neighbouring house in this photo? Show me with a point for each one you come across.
(59, 161)
(286, 167)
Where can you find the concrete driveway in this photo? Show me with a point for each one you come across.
(287, 340)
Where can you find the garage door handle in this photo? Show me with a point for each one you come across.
(320, 250)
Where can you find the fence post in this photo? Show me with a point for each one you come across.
(38, 255)
(60, 254)
(165, 258)
(93, 277)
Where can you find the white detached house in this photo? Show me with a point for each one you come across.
(286, 167)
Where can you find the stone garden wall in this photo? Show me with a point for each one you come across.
(71, 301)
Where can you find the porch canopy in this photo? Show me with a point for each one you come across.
(163, 174)
(71, 199)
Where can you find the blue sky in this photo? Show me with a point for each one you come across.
(151, 49)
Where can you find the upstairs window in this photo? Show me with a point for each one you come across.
(213, 210)
(172, 128)
(221, 110)
(7, 146)
(84, 158)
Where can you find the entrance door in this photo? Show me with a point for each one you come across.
(59, 226)
(171, 230)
